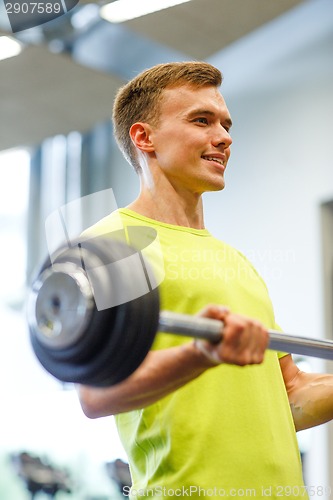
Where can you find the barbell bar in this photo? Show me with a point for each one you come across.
(192, 326)
(79, 343)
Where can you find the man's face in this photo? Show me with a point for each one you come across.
(191, 141)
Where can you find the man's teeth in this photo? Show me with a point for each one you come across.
(211, 158)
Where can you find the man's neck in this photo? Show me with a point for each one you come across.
(169, 207)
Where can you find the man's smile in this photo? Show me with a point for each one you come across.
(220, 159)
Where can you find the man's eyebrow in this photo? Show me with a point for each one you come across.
(200, 111)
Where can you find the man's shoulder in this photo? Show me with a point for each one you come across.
(112, 222)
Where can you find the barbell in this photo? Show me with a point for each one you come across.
(78, 340)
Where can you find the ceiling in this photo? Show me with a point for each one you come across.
(201, 27)
(66, 76)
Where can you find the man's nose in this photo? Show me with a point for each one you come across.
(222, 137)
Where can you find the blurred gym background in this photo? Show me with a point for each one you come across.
(57, 84)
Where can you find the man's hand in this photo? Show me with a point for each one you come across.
(244, 340)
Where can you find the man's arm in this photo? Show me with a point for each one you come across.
(310, 395)
(161, 373)
(165, 371)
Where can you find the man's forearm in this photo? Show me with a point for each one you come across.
(161, 373)
(311, 400)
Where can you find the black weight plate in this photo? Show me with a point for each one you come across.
(117, 339)
(145, 325)
(112, 364)
(140, 329)
(135, 342)
(66, 371)
(92, 338)
(106, 251)
(119, 358)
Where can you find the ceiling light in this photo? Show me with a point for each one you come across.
(123, 10)
(81, 18)
(9, 47)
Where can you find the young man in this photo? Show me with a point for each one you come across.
(198, 419)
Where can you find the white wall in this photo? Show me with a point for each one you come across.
(279, 88)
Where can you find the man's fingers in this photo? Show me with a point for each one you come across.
(244, 341)
(214, 311)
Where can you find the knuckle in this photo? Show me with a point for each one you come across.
(246, 358)
(237, 325)
(255, 325)
(228, 356)
(260, 358)
(206, 310)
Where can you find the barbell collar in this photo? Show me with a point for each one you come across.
(60, 305)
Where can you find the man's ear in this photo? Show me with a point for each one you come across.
(140, 134)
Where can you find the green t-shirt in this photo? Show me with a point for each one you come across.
(229, 432)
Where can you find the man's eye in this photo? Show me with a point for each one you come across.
(202, 119)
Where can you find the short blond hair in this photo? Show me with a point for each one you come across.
(139, 100)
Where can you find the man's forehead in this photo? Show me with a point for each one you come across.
(188, 97)
(188, 89)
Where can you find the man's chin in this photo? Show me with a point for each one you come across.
(218, 186)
